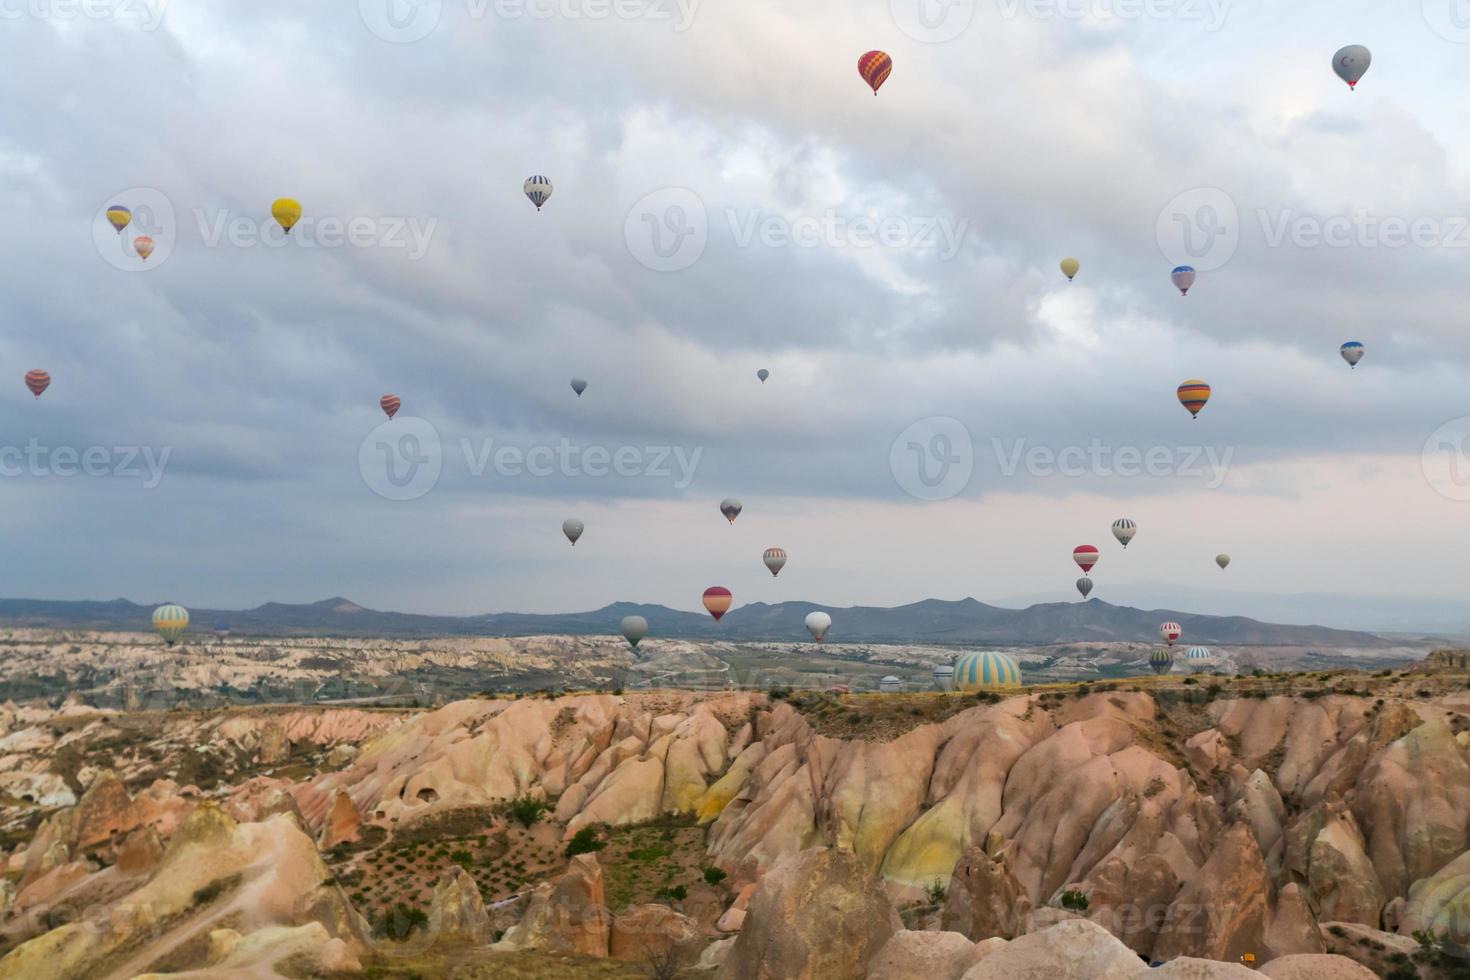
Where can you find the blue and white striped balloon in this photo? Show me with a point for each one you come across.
(538, 189)
(1352, 352)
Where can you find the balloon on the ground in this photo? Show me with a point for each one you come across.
(1198, 658)
(1352, 352)
(38, 381)
(286, 211)
(890, 685)
(634, 628)
(119, 217)
(763, 374)
(538, 189)
(1085, 555)
(579, 385)
(775, 559)
(1183, 277)
(1084, 585)
(1193, 394)
(1351, 62)
(391, 404)
(875, 67)
(1222, 560)
(818, 623)
(986, 671)
(572, 528)
(1070, 267)
(1161, 660)
(143, 245)
(717, 601)
(731, 508)
(170, 621)
(1170, 632)
(1124, 530)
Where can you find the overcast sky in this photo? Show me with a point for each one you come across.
(945, 416)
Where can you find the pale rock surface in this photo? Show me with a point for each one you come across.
(1078, 948)
(457, 912)
(911, 955)
(1222, 912)
(568, 915)
(1316, 967)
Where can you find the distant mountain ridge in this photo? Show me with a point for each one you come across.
(930, 621)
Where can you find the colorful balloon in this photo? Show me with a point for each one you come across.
(1352, 352)
(1193, 394)
(1222, 560)
(286, 211)
(38, 381)
(731, 508)
(717, 601)
(1351, 62)
(391, 404)
(579, 385)
(1070, 267)
(987, 671)
(1197, 658)
(1161, 660)
(763, 374)
(1085, 555)
(170, 621)
(818, 623)
(875, 67)
(1124, 530)
(119, 217)
(775, 559)
(1170, 632)
(572, 528)
(634, 628)
(143, 245)
(538, 189)
(1183, 278)
(1084, 585)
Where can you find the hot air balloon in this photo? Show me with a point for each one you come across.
(818, 623)
(221, 630)
(890, 685)
(1197, 658)
(286, 211)
(1183, 278)
(143, 245)
(1222, 560)
(775, 559)
(633, 627)
(1170, 632)
(572, 528)
(1351, 62)
(579, 385)
(1084, 585)
(38, 381)
(1124, 530)
(391, 403)
(1070, 267)
(538, 189)
(170, 621)
(119, 217)
(1085, 555)
(717, 601)
(1352, 352)
(731, 508)
(763, 374)
(1161, 660)
(875, 67)
(1193, 394)
(944, 677)
(986, 671)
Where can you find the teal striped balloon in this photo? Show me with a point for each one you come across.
(985, 671)
(170, 621)
(1161, 660)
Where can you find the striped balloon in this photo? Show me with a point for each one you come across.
(717, 601)
(1124, 530)
(391, 404)
(775, 559)
(875, 67)
(119, 217)
(1193, 394)
(538, 189)
(38, 381)
(1084, 585)
(1170, 632)
(143, 245)
(170, 621)
(1182, 277)
(1198, 658)
(1161, 660)
(986, 671)
(1085, 555)
(1352, 352)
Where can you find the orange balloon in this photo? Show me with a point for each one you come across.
(717, 600)
(875, 67)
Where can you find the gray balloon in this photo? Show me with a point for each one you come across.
(1351, 62)
(1084, 585)
(579, 385)
(634, 627)
(731, 508)
(572, 528)
(763, 374)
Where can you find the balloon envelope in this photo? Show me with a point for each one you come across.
(38, 381)
(1222, 560)
(763, 374)
(1193, 394)
(875, 67)
(1084, 585)
(634, 628)
(717, 601)
(986, 671)
(119, 217)
(775, 559)
(1170, 632)
(143, 245)
(1183, 278)
(1351, 62)
(1161, 660)
(1070, 267)
(1085, 555)
(538, 189)
(390, 403)
(579, 385)
(1124, 530)
(1352, 352)
(731, 508)
(170, 621)
(286, 211)
(818, 623)
(572, 528)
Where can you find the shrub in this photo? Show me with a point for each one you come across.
(526, 810)
(934, 892)
(1075, 901)
(584, 841)
(1337, 931)
(678, 893)
(714, 876)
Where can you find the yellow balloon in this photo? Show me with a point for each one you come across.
(1070, 267)
(287, 211)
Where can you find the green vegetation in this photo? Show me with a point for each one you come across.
(1075, 901)
(584, 841)
(714, 876)
(526, 810)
